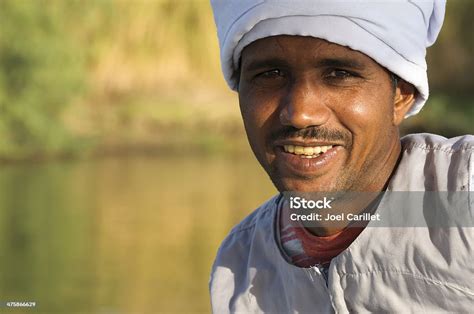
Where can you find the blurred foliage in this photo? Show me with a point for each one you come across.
(450, 62)
(450, 108)
(39, 75)
(447, 115)
(123, 73)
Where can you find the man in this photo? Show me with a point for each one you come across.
(323, 87)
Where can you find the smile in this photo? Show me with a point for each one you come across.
(307, 159)
(306, 151)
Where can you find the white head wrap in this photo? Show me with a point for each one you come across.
(395, 33)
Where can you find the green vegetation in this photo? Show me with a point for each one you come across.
(444, 114)
(110, 76)
(40, 74)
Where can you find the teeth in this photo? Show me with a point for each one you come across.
(298, 150)
(306, 151)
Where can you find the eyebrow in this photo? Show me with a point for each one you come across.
(265, 63)
(324, 63)
(340, 63)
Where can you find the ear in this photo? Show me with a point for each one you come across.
(404, 98)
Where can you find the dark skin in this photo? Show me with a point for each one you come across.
(305, 91)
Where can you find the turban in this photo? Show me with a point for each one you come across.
(394, 33)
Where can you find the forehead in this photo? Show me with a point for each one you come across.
(300, 49)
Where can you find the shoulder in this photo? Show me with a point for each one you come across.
(241, 233)
(229, 274)
(431, 162)
(433, 142)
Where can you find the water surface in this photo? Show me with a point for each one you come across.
(120, 235)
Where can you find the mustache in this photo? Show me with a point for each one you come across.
(316, 133)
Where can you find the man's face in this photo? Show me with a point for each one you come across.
(318, 116)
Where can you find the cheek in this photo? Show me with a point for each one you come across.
(255, 115)
(253, 119)
(257, 111)
(368, 113)
(358, 117)
(369, 122)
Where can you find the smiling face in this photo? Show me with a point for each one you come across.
(320, 116)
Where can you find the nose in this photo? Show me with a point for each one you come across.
(304, 105)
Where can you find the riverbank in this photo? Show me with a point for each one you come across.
(205, 122)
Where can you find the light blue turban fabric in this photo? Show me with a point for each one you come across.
(395, 33)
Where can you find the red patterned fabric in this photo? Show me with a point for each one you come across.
(306, 249)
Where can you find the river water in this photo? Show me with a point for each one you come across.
(120, 235)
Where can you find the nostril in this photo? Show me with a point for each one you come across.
(303, 113)
(284, 119)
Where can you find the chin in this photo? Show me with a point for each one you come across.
(304, 185)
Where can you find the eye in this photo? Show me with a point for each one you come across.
(274, 78)
(271, 74)
(339, 74)
(341, 77)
